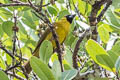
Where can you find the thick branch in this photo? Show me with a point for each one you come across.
(104, 10)
(74, 57)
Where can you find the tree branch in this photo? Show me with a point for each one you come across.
(104, 10)
(20, 4)
(7, 51)
(74, 57)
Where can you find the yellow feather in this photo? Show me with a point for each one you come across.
(62, 28)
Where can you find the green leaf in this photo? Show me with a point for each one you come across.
(2, 1)
(112, 19)
(99, 55)
(56, 69)
(46, 50)
(3, 76)
(28, 19)
(32, 34)
(62, 14)
(5, 14)
(7, 27)
(116, 4)
(69, 74)
(115, 52)
(1, 31)
(52, 10)
(41, 69)
(22, 28)
(61, 1)
(81, 6)
(2, 63)
(68, 57)
(104, 33)
(117, 64)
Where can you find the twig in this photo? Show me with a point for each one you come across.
(104, 10)
(15, 36)
(20, 4)
(24, 72)
(77, 11)
(15, 75)
(74, 57)
(41, 2)
(7, 51)
(14, 66)
(10, 53)
(86, 73)
(14, 41)
(83, 65)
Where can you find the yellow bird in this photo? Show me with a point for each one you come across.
(62, 28)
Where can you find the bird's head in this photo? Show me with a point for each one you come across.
(70, 17)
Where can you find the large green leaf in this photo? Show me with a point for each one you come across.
(3, 76)
(41, 69)
(104, 33)
(7, 27)
(99, 55)
(69, 74)
(46, 50)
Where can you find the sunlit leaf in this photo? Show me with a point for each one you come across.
(99, 55)
(104, 33)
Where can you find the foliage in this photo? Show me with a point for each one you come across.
(103, 52)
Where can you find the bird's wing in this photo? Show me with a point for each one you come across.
(42, 38)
